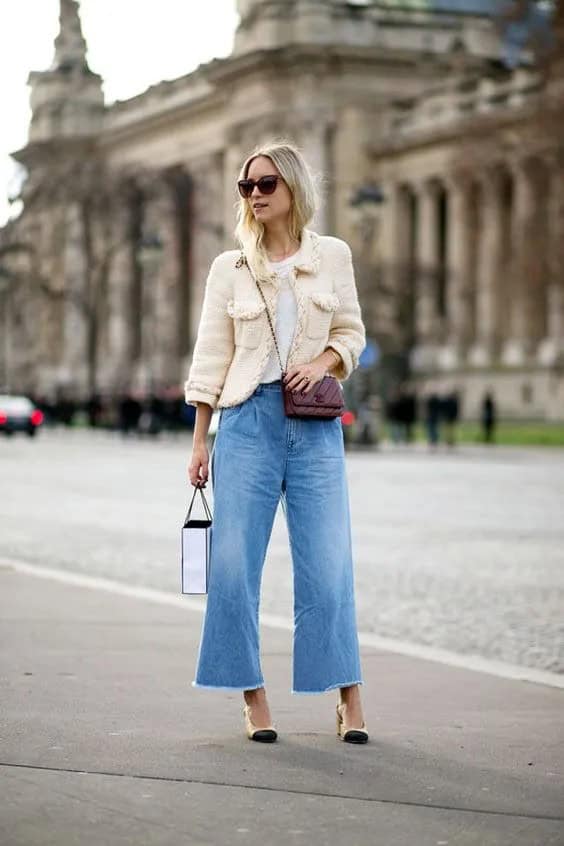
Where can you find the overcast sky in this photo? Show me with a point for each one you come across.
(132, 45)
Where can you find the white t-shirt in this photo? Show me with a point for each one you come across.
(286, 317)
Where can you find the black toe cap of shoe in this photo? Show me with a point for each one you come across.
(355, 736)
(265, 735)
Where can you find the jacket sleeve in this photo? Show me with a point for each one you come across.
(347, 335)
(214, 347)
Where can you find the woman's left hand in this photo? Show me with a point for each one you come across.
(304, 377)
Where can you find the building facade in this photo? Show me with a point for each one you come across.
(405, 101)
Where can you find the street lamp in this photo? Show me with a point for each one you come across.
(366, 203)
(150, 249)
(367, 194)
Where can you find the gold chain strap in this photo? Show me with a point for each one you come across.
(243, 260)
(268, 316)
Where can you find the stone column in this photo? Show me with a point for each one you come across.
(149, 262)
(160, 289)
(73, 369)
(168, 300)
(48, 315)
(115, 361)
(551, 348)
(518, 345)
(460, 268)
(212, 176)
(426, 317)
(351, 167)
(488, 270)
(313, 141)
(394, 227)
(232, 161)
(393, 258)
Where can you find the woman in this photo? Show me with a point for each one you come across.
(260, 456)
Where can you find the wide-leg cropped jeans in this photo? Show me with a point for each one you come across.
(260, 457)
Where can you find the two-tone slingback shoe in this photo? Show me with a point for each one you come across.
(262, 735)
(350, 735)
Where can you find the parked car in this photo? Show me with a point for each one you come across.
(19, 414)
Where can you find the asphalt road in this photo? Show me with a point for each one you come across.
(461, 551)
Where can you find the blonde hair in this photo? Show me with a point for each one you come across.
(301, 182)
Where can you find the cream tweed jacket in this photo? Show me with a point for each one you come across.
(234, 340)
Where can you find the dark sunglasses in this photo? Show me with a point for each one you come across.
(266, 185)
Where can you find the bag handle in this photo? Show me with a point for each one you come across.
(204, 501)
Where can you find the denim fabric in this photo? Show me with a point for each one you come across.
(260, 457)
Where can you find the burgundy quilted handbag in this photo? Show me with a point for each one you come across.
(325, 400)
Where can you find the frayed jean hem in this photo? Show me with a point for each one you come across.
(325, 689)
(226, 687)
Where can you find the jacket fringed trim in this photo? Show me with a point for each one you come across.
(244, 310)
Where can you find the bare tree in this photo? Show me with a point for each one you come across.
(87, 198)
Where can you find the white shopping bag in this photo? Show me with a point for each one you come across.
(196, 536)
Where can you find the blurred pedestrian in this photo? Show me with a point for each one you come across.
(129, 413)
(433, 409)
(65, 409)
(394, 415)
(187, 415)
(401, 413)
(368, 421)
(408, 410)
(489, 415)
(152, 419)
(172, 401)
(46, 404)
(450, 415)
(93, 409)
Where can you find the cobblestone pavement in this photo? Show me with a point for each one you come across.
(462, 550)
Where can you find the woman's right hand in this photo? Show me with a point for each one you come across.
(198, 466)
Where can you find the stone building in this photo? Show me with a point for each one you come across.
(406, 107)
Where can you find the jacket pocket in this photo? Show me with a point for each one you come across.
(248, 323)
(320, 309)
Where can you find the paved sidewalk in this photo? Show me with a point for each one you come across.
(104, 741)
